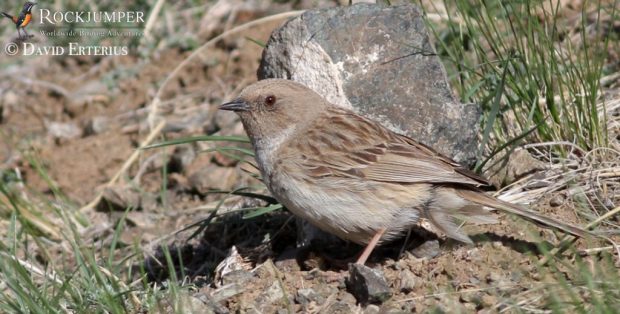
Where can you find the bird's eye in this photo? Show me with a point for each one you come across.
(270, 100)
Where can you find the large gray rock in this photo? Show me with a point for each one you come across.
(378, 61)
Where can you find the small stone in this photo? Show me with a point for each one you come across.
(428, 249)
(493, 277)
(308, 295)
(556, 201)
(178, 181)
(474, 280)
(89, 94)
(181, 158)
(142, 220)
(10, 99)
(228, 291)
(520, 163)
(347, 297)
(233, 269)
(214, 306)
(368, 285)
(287, 261)
(97, 125)
(119, 198)
(223, 160)
(471, 297)
(408, 281)
(148, 202)
(341, 307)
(197, 306)
(213, 178)
(408, 307)
(392, 310)
(489, 300)
(237, 276)
(273, 294)
(372, 309)
(63, 131)
(200, 162)
(470, 307)
(516, 276)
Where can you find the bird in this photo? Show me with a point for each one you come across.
(23, 19)
(352, 177)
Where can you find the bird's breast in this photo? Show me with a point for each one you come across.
(26, 20)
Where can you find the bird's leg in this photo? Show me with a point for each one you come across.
(25, 32)
(370, 247)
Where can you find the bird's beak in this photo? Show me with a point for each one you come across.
(235, 105)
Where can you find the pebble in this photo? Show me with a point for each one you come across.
(408, 281)
(308, 295)
(493, 277)
(428, 249)
(237, 276)
(489, 300)
(228, 291)
(556, 201)
(96, 125)
(213, 178)
(372, 309)
(471, 297)
(368, 285)
(341, 307)
(63, 131)
(181, 158)
(119, 197)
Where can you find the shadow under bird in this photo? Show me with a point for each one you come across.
(23, 19)
(354, 178)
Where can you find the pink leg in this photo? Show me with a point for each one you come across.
(371, 246)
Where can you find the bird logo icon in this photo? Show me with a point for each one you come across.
(22, 20)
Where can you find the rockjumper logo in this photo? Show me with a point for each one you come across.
(22, 19)
(58, 17)
(77, 24)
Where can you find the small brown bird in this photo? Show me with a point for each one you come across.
(354, 178)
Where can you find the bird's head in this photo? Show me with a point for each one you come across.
(28, 6)
(269, 107)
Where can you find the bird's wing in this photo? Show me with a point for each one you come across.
(20, 20)
(378, 155)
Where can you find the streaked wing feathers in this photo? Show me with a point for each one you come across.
(384, 156)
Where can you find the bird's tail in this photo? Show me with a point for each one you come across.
(488, 201)
(7, 15)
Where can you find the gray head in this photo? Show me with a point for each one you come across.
(269, 107)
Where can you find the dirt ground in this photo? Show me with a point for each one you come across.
(82, 118)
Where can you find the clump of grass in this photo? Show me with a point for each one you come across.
(47, 266)
(528, 70)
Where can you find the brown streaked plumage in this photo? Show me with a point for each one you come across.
(352, 177)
